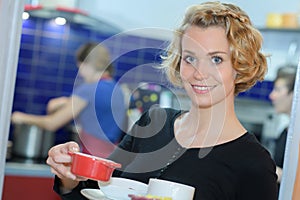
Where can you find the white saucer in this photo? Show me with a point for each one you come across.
(93, 194)
(119, 188)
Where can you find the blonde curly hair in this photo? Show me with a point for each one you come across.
(244, 39)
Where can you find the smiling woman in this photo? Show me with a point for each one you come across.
(215, 54)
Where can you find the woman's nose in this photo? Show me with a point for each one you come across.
(202, 70)
(199, 74)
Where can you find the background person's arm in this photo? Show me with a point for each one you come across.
(56, 103)
(71, 109)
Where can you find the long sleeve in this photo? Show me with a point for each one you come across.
(75, 194)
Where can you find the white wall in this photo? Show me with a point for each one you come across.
(134, 14)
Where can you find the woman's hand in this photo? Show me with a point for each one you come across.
(60, 162)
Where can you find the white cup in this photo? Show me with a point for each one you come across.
(176, 191)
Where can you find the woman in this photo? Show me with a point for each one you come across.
(215, 55)
(92, 110)
(282, 99)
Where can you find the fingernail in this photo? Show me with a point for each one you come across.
(74, 149)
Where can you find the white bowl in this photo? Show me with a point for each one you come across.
(119, 188)
(164, 188)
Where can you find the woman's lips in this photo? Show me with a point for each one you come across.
(200, 89)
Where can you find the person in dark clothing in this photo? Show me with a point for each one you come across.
(215, 55)
(282, 98)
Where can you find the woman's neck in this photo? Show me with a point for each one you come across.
(98, 75)
(208, 127)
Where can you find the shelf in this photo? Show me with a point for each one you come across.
(289, 30)
(28, 169)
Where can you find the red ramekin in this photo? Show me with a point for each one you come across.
(92, 167)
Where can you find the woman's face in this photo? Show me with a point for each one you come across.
(205, 68)
(281, 97)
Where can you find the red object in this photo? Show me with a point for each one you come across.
(92, 167)
(71, 10)
(33, 7)
(58, 8)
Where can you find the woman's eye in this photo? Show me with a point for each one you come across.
(190, 60)
(216, 60)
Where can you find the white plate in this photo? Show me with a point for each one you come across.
(120, 188)
(93, 194)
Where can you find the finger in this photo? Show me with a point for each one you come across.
(69, 146)
(80, 178)
(60, 153)
(61, 170)
(59, 175)
(73, 146)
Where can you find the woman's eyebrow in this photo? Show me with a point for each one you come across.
(217, 52)
(189, 52)
(207, 53)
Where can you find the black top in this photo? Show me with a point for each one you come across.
(280, 144)
(240, 169)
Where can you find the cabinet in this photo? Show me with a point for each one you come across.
(28, 188)
(28, 181)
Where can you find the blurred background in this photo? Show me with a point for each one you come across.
(136, 33)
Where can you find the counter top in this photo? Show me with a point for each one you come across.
(27, 169)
